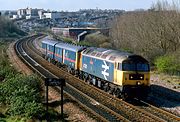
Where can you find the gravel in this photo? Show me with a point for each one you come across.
(165, 92)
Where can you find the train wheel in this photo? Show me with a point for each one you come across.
(111, 90)
(102, 85)
(124, 96)
(117, 93)
(106, 88)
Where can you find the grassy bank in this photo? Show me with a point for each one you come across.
(19, 94)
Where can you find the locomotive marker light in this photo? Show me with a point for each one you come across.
(54, 82)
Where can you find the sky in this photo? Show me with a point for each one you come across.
(74, 5)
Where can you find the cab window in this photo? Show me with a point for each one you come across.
(128, 67)
(142, 67)
(133, 67)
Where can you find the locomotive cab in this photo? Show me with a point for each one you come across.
(133, 74)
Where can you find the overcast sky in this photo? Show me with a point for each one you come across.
(74, 5)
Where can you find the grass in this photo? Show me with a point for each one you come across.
(13, 119)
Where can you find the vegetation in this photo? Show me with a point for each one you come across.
(153, 34)
(9, 29)
(97, 40)
(168, 64)
(19, 95)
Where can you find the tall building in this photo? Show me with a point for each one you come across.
(41, 13)
(21, 12)
(28, 12)
(32, 12)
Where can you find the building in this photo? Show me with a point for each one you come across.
(28, 13)
(41, 13)
(21, 12)
(15, 17)
(32, 12)
(51, 15)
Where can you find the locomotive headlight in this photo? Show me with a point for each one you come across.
(138, 83)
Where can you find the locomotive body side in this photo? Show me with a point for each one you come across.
(98, 67)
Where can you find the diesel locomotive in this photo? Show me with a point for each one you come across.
(119, 73)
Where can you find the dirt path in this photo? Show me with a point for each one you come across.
(16, 61)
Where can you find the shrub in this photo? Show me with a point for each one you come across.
(22, 95)
(167, 64)
(85, 43)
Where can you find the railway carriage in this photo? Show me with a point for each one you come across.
(48, 48)
(68, 54)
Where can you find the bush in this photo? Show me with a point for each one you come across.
(106, 45)
(168, 64)
(98, 40)
(85, 43)
(9, 29)
(18, 93)
(22, 95)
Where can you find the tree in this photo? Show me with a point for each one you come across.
(149, 33)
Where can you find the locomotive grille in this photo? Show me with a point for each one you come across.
(136, 76)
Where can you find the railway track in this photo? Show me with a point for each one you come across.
(115, 107)
(100, 112)
(155, 111)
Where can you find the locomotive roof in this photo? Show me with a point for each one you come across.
(108, 54)
(71, 47)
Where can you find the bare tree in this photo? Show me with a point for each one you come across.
(148, 33)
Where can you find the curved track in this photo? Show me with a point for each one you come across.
(100, 112)
(103, 105)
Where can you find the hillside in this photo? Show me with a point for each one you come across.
(9, 29)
